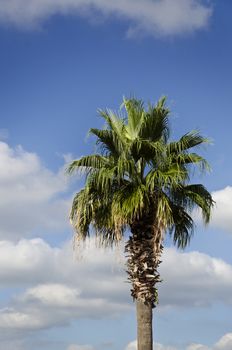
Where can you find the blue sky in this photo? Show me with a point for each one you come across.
(60, 61)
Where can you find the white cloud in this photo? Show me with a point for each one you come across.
(31, 195)
(162, 17)
(132, 345)
(222, 213)
(18, 271)
(60, 265)
(157, 346)
(55, 295)
(197, 347)
(12, 319)
(225, 343)
(195, 279)
(80, 347)
(46, 306)
(60, 289)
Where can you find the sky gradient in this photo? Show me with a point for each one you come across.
(60, 61)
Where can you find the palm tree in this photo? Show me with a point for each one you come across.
(138, 181)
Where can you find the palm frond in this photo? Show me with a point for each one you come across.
(135, 117)
(201, 198)
(81, 214)
(94, 161)
(107, 142)
(164, 211)
(191, 159)
(156, 123)
(171, 177)
(129, 202)
(183, 226)
(186, 142)
(146, 150)
(116, 125)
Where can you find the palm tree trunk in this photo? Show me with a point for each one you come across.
(144, 326)
(144, 249)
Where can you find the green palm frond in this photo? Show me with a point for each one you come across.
(130, 202)
(101, 180)
(183, 226)
(94, 161)
(194, 196)
(136, 114)
(160, 178)
(117, 126)
(156, 123)
(147, 150)
(201, 198)
(191, 158)
(106, 141)
(164, 211)
(187, 141)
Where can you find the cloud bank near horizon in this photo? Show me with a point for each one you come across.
(58, 293)
(153, 17)
(224, 343)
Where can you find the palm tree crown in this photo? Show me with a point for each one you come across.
(139, 174)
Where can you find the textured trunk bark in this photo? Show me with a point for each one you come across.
(144, 326)
(144, 252)
(144, 249)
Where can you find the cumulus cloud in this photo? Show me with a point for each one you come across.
(55, 295)
(132, 345)
(157, 346)
(61, 265)
(197, 347)
(222, 214)
(59, 288)
(49, 305)
(18, 271)
(80, 347)
(157, 17)
(195, 279)
(225, 343)
(31, 195)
